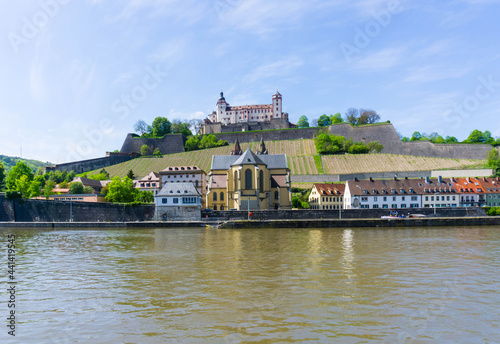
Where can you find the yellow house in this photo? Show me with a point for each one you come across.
(249, 182)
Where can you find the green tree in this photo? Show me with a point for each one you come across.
(192, 143)
(157, 153)
(76, 188)
(324, 121)
(179, 127)
(416, 136)
(210, 141)
(23, 186)
(88, 190)
(336, 119)
(493, 159)
(450, 139)
(145, 150)
(144, 196)
(121, 191)
(2, 175)
(303, 122)
(161, 127)
(48, 189)
(477, 136)
(130, 174)
(21, 169)
(63, 185)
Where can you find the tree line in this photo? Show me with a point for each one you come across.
(476, 136)
(22, 182)
(352, 116)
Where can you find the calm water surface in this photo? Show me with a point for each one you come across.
(418, 285)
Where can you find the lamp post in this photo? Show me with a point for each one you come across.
(435, 196)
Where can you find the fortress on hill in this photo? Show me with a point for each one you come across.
(251, 123)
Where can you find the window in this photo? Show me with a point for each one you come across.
(385, 198)
(385, 206)
(375, 206)
(196, 183)
(413, 198)
(403, 205)
(215, 207)
(426, 198)
(222, 196)
(222, 207)
(393, 198)
(261, 181)
(403, 198)
(176, 200)
(235, 180)
(364, 199)
(164, 200)
(248, 179)
(375, 199)
(215, 196)
(394, 206)
(276, 195)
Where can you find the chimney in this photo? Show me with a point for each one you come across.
(406, 178)
(440, 179)
(468, 180)
(484, 179)
(453, 180)
(356, 179)
(371, 179)
(427, 180)
(395, 178)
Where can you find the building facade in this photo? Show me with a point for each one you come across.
(249, 182)
(151, 182)
(227, 114)
(327, 196)
(178, 202)
(186, 174)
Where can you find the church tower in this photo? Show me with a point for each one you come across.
(277, 105)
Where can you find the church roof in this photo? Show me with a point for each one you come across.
(248, 158)
(274, 161)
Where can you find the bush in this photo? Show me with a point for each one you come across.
(493, 211)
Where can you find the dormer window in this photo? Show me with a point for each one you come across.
(393, 191)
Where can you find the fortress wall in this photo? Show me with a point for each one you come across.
(92, 164)
(455, 151)
(169, 144)
(249, 136)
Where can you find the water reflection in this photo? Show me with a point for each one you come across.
(348, 264)
(262, 286)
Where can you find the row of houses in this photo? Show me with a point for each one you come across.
(406, 193)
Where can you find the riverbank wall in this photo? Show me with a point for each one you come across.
(269, 224)
(29, 210)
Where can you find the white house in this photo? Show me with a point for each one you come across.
(178, 202)
(186, 174)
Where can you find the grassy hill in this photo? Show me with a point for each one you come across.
(10, 162)
(302, 159)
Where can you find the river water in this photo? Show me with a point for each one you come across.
(415, 285)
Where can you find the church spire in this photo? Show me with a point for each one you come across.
(237, 148)
(263, 149)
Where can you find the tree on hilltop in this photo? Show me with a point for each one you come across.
(303, 122)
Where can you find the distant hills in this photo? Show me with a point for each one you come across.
(10, 162)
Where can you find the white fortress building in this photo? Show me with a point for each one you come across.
(227, 114)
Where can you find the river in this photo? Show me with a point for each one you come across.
(363, 285)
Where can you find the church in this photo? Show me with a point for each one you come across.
(249, 181)
(226, 114)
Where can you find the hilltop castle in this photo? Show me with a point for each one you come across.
(227, 118)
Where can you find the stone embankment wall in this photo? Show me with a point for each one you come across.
(62, 211)
(169, 144)
(92, 164)
(263, 215)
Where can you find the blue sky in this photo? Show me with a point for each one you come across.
(77, 75)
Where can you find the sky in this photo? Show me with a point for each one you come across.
(75, 76)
